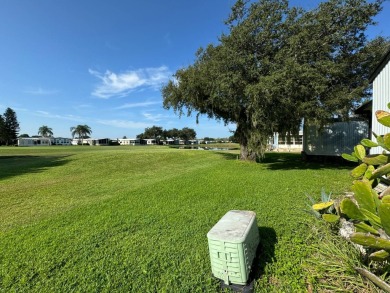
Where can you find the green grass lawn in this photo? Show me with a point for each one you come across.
(120, 219)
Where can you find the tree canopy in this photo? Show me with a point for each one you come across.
(81, 130)
(9, 127)
(187, 133)
(158, 133)
(278, 65)
(45, 131)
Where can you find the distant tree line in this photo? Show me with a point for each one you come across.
(158, 133)
(9, 127)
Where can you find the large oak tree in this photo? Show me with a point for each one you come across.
(278, 65)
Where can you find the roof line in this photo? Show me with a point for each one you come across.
(381, 65)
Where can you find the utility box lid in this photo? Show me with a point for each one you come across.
(233, 227)
(232, 245)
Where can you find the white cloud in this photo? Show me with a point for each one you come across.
(124, 124)
(43, 113)
(135, 105)
(40, 92)
(155, 117)
(84, 106)
(121, 84)
(56, 116)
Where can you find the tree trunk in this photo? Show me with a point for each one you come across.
(242, 134)
(246, 154)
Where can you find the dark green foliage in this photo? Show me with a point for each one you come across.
(45, 131)
(82, 131)
(2, 130)
(278, 65)
(187, 133)
(9, 127)
(172, 133)
(157, 133)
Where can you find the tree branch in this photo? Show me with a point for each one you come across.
(373, 278)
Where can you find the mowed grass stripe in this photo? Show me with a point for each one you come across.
(146, 231)
(84, 178)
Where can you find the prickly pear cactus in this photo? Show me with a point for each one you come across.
(384, 215)
(325, 209)
(369, 211)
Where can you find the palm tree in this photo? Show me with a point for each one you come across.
(81, 131)
(45, 131)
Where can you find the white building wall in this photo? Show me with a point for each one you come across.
(334, 139)
(380, 99)
(276, 143)
(34, 141)
(129, 141)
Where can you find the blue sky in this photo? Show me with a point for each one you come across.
(102, 63)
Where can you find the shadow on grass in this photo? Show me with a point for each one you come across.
(228, 156)
(288, 161)
(280, 161)
(265, 252)
(11, 166)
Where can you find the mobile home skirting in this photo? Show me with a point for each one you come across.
(334, 139)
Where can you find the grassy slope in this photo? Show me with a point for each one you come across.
(136, 218)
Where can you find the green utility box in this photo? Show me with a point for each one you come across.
(233, 243)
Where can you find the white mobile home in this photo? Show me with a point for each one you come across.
(380, 80)
(61, 141)
(129, 141)
(34, 141)
(333, 139)
(281, 144)
(148, 141)
(91, 141)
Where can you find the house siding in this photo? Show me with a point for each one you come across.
(333, 139)
(381, 97)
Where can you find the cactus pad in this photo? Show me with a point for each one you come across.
(370, 241)
(366, 228)
(359, 171)
(360, 151)
(380, 255)
(351, 210)
(350, 158)
(384, 215)
(383, 117)
(331, 218)
(363, 195)
(322, 205)
(368, 143)
(374, 220)
(375, 159)
(383, 170)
